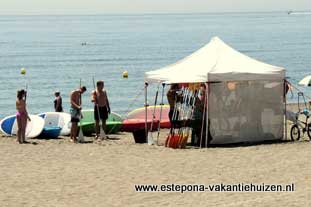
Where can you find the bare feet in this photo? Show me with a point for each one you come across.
(74, 140)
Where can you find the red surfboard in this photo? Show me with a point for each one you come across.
(132, 125)
(139, 114)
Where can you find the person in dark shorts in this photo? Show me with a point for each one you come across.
(100, 100)
(103, 113)
(58, 102)
(75, 111)
(171, 98)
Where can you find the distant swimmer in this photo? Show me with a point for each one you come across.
(83, 43)
(289, 12)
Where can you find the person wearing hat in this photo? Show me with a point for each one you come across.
(58, 102)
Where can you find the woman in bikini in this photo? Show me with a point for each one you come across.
(21, 116)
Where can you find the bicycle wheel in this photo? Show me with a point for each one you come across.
(295, 133)
(309, 130)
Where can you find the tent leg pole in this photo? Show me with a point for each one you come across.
(146, 105)
(285, 108)
(207, 110)
(203, 123)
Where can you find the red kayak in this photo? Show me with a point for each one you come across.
(132, 125)
(140, 114)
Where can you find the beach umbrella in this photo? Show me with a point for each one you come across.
(306, 81)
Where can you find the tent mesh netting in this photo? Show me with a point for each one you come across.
(246, 111)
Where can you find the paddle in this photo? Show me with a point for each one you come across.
(80, 136)
(173, 121)
(101, 130)
(191, 103)
(150, 137)
(184, 118)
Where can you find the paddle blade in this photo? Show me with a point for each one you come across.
(172, 141)
(80, 136)
(150, 139)
(184, 141)
(167, 140)
(102, 133)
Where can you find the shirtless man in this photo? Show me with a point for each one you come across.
(101, 106)
(75, 111)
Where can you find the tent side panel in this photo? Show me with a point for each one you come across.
(246, 111)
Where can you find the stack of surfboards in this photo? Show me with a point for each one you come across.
(136, 118)
(113, 123)
(8, 125)
(45, 125)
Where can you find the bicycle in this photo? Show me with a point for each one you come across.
(306, 127)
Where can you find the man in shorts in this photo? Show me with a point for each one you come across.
(75, 111)
(101, 106)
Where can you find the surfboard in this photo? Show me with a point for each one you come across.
(113, 123)
(8, 125)
(55, 120)
(140, 114)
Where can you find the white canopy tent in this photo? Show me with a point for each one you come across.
(216, 61)
(252, 110)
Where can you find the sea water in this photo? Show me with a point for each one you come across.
(58, 51)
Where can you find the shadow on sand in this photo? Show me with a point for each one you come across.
(249, 144)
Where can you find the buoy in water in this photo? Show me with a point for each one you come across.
(125, 74)
(23, 71)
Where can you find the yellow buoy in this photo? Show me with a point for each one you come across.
(125, 74)
(23, 71)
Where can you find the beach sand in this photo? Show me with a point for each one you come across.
(60, 173)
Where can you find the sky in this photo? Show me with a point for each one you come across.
(21, 7)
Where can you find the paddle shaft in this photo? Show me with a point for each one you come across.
(159, 125)
(80, 103)
(154, 108)
(146, 105)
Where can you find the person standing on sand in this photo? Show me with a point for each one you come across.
(171, 98)
(58, 102)
(75, 111)
(21, 116)
(101, 106)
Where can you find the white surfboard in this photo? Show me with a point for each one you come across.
(8, 125)
(60, 119)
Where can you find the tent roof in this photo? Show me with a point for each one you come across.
(216, 61)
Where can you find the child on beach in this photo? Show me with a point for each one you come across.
(58, 102)
(21, 116)
(75, 111)
(101, 106)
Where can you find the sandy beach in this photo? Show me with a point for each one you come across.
(60, 173)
